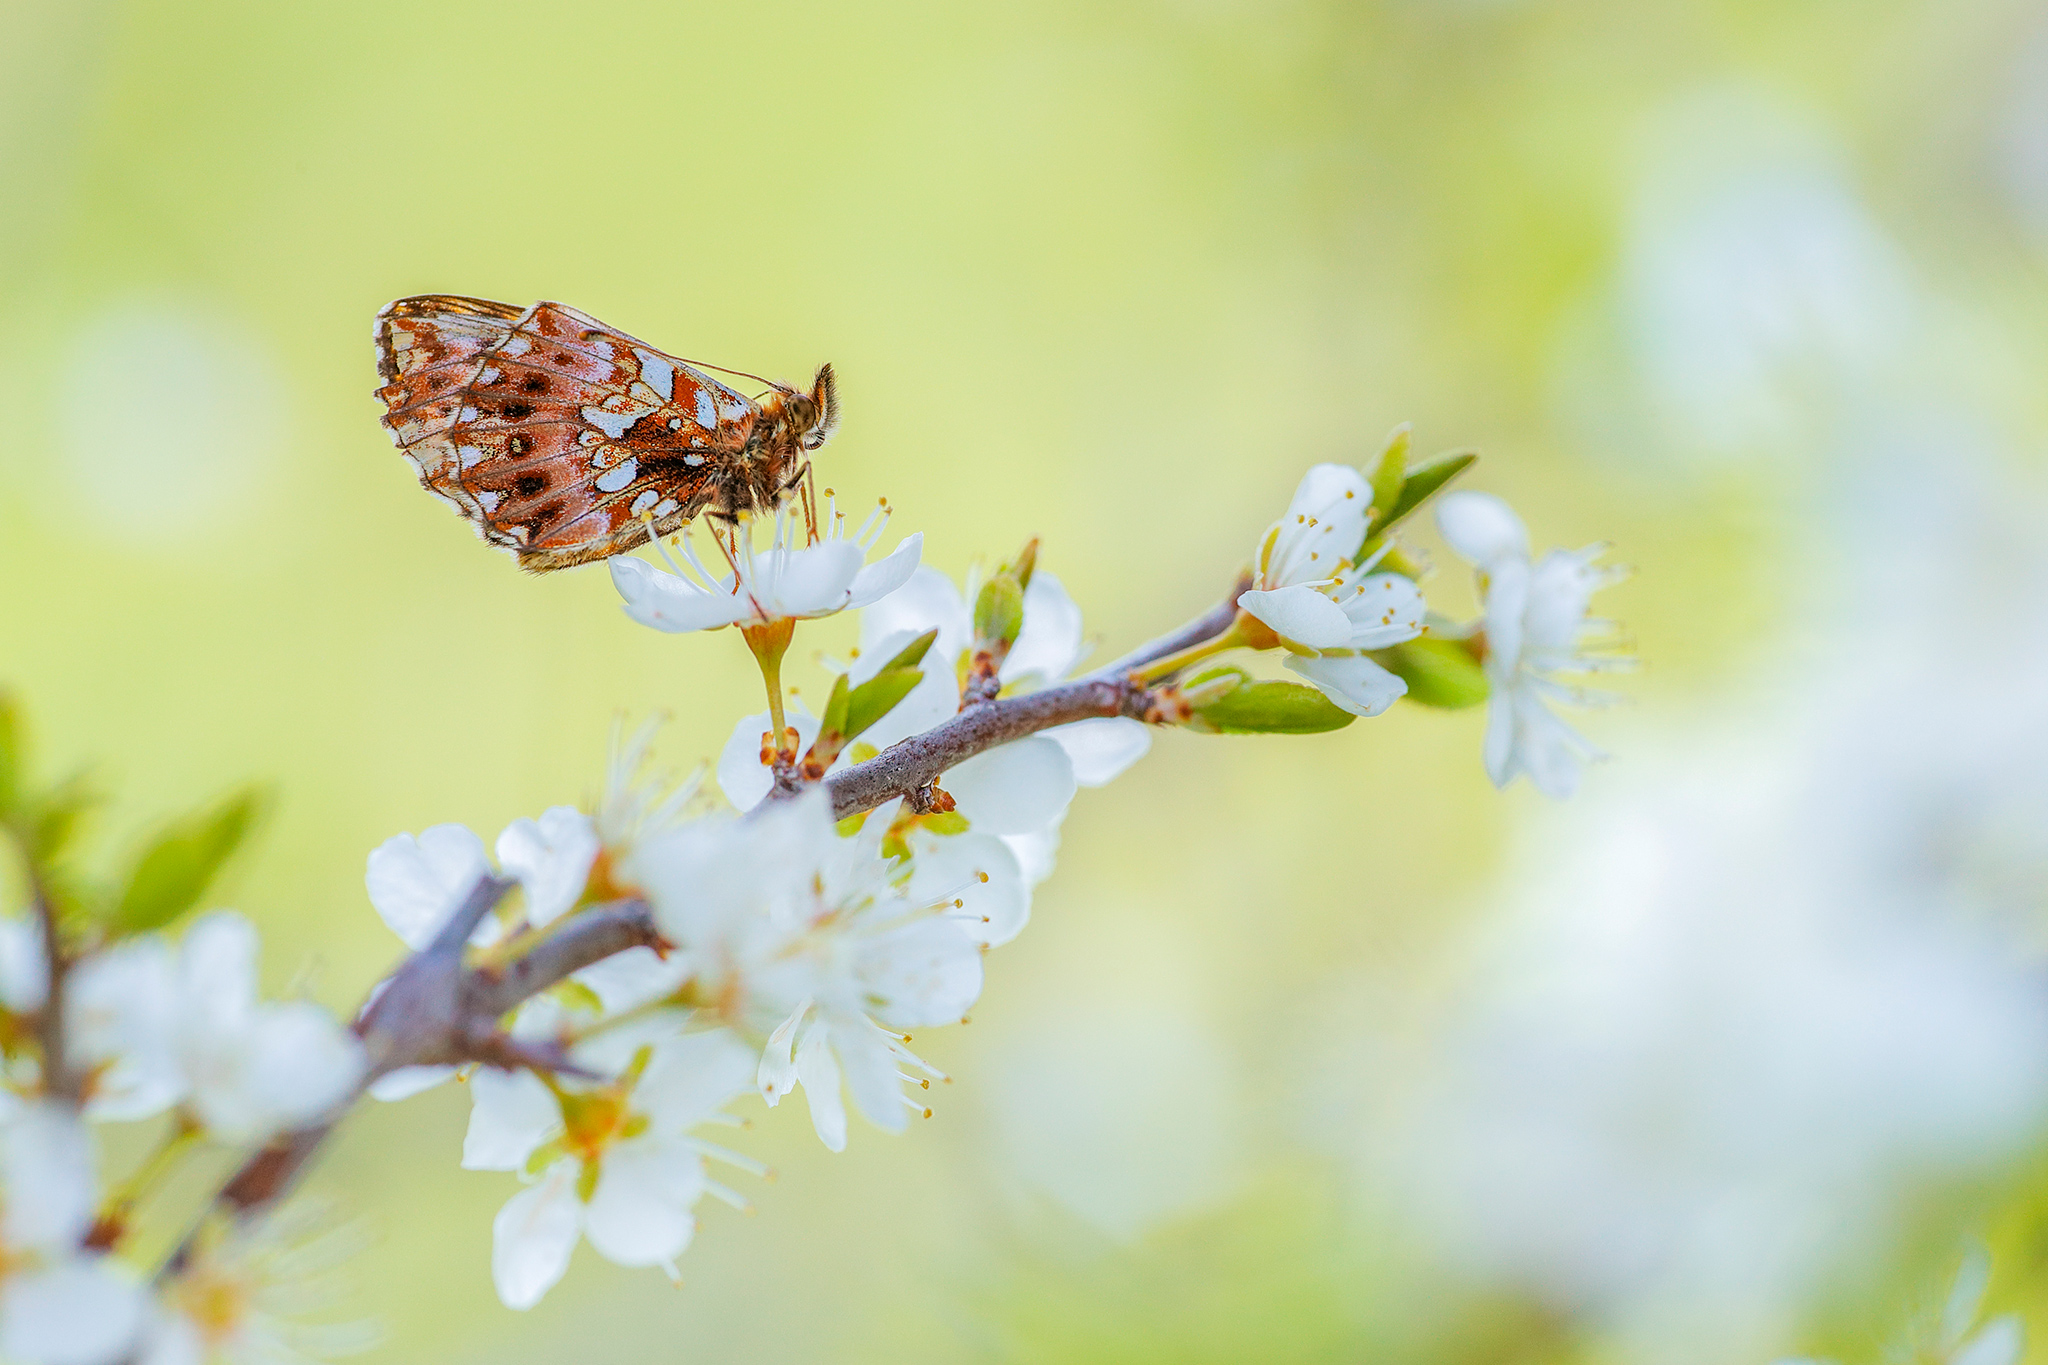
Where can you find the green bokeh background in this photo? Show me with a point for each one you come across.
(1111, 275)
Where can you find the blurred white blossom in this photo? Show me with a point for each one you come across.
(1536, 628)
(163, 1029)
(59, 1304)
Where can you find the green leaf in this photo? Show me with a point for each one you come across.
(1025, 563)
(48, 821)
(998, 613)
(877, 696)
(833, 722)
(944, 822)
(11, 754)
(912, 654)
(1392, 471)
(1424, 482)
(1440, 673)
(1268, 707)
(174, 872)
(577, 996)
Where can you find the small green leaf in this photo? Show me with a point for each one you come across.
(1026, 562)
(174, 872)
(912, 654)
(850, 826)
(861, 752)
(1391, 472)
(944, 822)
(1440, 673)
(48, 821)
(877, 696)
(998, 613)
(833, 722)
(1264, 707)
(11, 755)
(1423, 483)
(577, 996)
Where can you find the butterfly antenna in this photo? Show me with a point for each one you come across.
(739, 374)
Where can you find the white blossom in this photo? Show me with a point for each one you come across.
(243, 1295)
(59, 1304)
(613, 1162)
(822, 944)
(160, 1029)
(1326, 608)
(1536, 628)
(783, 581)
(1049, 647)
(415, 882)
(24, 971)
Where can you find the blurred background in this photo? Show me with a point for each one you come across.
(1317, 1049)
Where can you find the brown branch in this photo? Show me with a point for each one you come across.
(436, 1011)
(904, 769)
(63, 1080)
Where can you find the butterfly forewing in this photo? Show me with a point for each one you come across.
(555, 435)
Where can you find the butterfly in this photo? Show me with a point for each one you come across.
(564, 440)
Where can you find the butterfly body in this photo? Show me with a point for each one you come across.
(564, 440)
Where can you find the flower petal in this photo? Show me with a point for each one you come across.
(742, 776)
(874, 1077)
(532, 1236)
(885, 576)
(1050, 643)
(1037, 852)
(46, 1159)
(690, 1078)
(979, 871)
(1481, 528)
(659, 599)
(813, 581)
(922, 975)
(121, 1012)
(24, 970)
(1358, 685)
(407, 1081)
(818, 1072)
(1014, 789)
(287, 1064)
(1103, 748)
(1384, 609)
(927, 600)
(640, 1212)
(416, 883)
(511, 1113)
(217, 971)
(551, 857)
(80, 1311)
(1300, 615)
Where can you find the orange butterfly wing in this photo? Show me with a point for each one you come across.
(554, 435)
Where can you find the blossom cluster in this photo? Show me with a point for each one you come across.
(783, 933)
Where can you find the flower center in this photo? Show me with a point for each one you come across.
(591, 1122)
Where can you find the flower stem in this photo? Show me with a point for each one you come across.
(1193, 654)
(770, 641)
(120, 1202)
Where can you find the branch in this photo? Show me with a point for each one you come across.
(435, 1011)
(905, 768)
(1207, 626)
(62, 1079)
